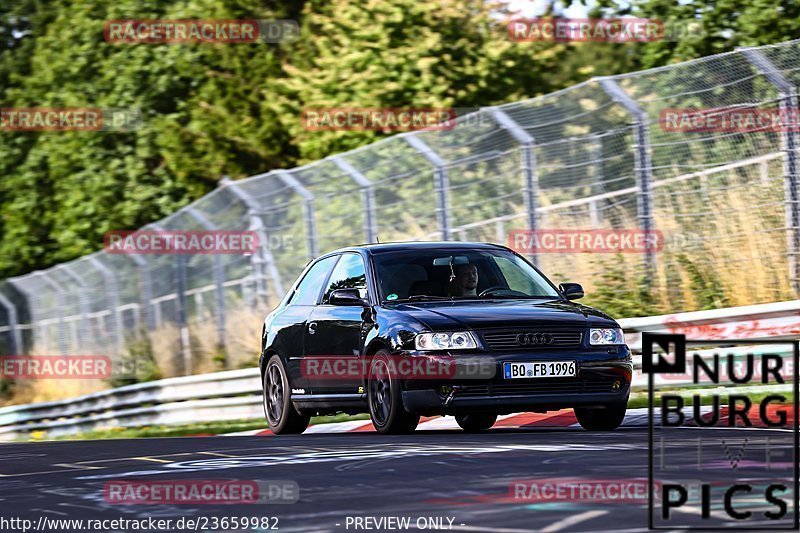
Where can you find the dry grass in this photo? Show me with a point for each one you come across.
(46, 390)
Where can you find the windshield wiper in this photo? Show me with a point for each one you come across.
(418, 297)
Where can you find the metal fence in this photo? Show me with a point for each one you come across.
(591, 156)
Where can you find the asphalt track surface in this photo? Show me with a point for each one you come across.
(446, 474)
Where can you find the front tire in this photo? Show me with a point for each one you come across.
(472, 423)
(282, 417)
(384, 396)
(607, 419)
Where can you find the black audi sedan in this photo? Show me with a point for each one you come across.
(471, 330)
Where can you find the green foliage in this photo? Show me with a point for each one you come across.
(725, 25)
(138, 363)
(703, 283)
(214, 109)
(621, 293)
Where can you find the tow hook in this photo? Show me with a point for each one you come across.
(453, 391)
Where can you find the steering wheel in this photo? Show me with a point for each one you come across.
(491, 289)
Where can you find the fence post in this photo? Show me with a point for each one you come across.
(15, 347)
(530, 181)
(598, 187)
(370, 227)
(18, 284)
(180, 294)
(263, 259)
(112, 299)
(441, 181)
(219, 277)
(62, 324)
(308, 202)
(83, 301)
(643, 167)
(147, 290)
(789, 144)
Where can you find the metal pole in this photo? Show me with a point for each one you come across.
(530, 181)
(598, 187)
(180, 295)
(441, 181)
(219, 277)
(18, 284)
(370, 226)
(62, 325)
(147, 290)
(308, 202)
(263, 261)
(180, 284)
(112, 299)
(643, 167)
(83, 301)
(15, 344)
(789, 145)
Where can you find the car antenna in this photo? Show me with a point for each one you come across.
(377, 239)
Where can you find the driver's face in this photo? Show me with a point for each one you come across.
(468, 277)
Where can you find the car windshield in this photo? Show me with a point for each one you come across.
(458, 274)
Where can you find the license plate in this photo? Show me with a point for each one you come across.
(539, 369)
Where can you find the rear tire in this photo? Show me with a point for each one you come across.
(282, 417)
(472, 423)
(606, 419)
(385, 399)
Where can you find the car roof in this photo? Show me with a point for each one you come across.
(380, 248)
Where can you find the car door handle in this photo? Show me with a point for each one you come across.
(312, 328)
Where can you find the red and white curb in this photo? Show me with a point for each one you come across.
(564, 418)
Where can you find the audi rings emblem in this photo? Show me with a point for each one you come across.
(532, 339)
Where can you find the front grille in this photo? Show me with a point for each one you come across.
(509, 340)
(541, 386)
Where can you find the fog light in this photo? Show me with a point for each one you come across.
(616, 385)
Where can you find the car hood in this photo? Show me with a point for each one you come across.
(472, 314)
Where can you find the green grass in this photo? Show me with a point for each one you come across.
(207, 428)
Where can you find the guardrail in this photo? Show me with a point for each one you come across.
(236, 394)
(230, 395)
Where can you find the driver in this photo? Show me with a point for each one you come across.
(465, 282)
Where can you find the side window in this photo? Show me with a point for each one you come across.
(348, 274)
(307, 291)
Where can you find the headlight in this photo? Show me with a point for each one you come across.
(459, 340)
(600, 336)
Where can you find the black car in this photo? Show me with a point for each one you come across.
(471, 330)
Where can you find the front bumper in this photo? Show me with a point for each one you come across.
(603, 378)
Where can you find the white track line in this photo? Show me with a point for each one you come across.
(572, 520)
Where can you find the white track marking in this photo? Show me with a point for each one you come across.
(572, 520)
(337, 427)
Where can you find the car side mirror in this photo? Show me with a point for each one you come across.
(350, 297)
(571, 291)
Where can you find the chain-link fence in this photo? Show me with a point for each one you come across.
(596, 155)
